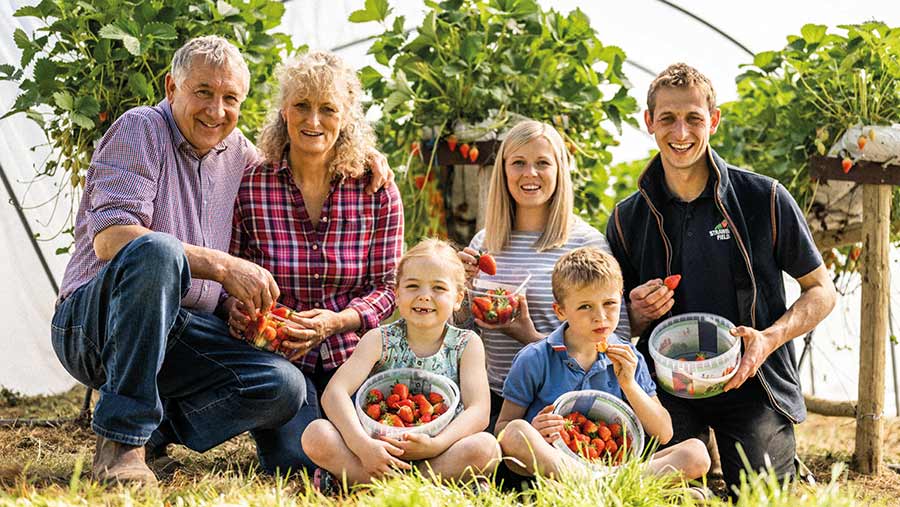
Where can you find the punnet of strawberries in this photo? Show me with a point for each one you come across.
(400, 408)
(595, 440)
(268, 330)
(495, 306)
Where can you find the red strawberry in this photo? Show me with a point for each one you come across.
(373, 410)
(420, 181)
(588, 427)
(401, 390)
(855, 252)
(861, 142)
(483, 303)
(473, 154)
(566, 437)
(452, 141)
(269, 333)
(426, 418)
(425, 408)
(392, 420)
(103, 116)
(504, 315)
(611, 447)
(615, 429)
(374, 396)
(598, 444)
(846, 165)
(603, 433)
(414, 149)
(672, 281)
(281, 311)
(435, 397)
(487, 263)
(464, 150)
(477, 313)
(439, 409)
(406, 414)
(393, 401)
(700, 356)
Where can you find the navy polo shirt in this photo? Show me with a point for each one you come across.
(703, 252)
(543, 371)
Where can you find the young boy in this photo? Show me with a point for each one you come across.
(587, 289)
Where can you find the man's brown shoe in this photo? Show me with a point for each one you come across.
(117, 462)
(159, 461)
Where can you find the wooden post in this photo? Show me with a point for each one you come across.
(873, 328)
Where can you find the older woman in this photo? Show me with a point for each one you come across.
(529, 224)
(304, 215)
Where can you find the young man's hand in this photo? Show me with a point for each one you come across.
(624, 362)
(548, 424)
(649, 302)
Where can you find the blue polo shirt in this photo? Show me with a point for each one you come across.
(543, 371)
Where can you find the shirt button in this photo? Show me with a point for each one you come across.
(315, 246)
(690, 234)
(324, 219)
(316, 276)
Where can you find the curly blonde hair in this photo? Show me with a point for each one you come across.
(322, 74)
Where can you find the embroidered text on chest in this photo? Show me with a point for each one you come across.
(721, 231)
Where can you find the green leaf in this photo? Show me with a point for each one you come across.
(375, 10)
(82, 121)
(87, 105)
(225, 9)
(813, 33)
(115, 32)
(29, 10)
(766, 60)
(368, 76)
(160, 31)
(394, 99)
(471, 46)
(138, 85)
(63, 100)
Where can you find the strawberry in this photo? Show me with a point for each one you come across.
(281, 311)
(603, 433)
(464, 150)
(373, 410)
(392, 420)
(103, 116)
(566, 437)
(426, 418)
(393, 401)
(611, 447)
(598, 444)
(439, 409)
(425, 408)
(861, 142)
(672, 281)
(420, 182)
(477, 313)
(490, 317)
(588, 427)
(374, 396)
(435, 397)
(483, 303)
(414, 149)
(452, 142)
(405, 414)
(401, 390)
(269, 333)
(615, 429)
(846, 165)
(407, 403)
(855, 252)
(487, 263)
(602, 345)
(700, 356)
(504, 315)
(473, 154)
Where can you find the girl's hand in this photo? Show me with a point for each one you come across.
(521, 328)
(548, 425)
(469, 257)
(624, 362)
(415, 446)
(379, 457)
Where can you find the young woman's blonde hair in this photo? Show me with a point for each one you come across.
(501, 208)
(432, 248)
(320, 74)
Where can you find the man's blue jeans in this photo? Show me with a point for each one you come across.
(172, 373)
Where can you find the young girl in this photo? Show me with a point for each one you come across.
(430, 287)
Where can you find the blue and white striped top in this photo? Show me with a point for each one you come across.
(520, 254)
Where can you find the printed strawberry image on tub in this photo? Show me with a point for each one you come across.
(695, 354)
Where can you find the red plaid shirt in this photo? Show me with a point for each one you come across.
(347, 261)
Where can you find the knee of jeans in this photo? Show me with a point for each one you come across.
(286, 388)
(155, 248)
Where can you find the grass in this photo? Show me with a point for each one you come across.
(50, 467)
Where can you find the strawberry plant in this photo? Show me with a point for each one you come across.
(486, 63)
(91, 61)
(797, 101)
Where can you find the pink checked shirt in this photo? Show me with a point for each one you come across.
(347, 261)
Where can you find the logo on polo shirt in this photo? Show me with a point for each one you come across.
(720, 231)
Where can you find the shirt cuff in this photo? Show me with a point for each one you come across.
(368, 318)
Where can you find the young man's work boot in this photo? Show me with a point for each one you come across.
(117, 462)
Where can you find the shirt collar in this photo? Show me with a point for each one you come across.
(179, 138)
(707, 192)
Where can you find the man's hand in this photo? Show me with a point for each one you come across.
(520, 329)
(250, 283)
(757, 347)
(382, 175)
(548, 424)
(649, 302)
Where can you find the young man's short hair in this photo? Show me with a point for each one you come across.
(584, 266)
(681, 75)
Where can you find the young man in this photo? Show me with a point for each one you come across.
(134, 317)
(730, 233)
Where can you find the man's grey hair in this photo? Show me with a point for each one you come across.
(215, 51)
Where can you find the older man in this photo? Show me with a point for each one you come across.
(134, 318)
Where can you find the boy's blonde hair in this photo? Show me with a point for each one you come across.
(435, 248)
(582, 267)
(681, 75)
(499, 220)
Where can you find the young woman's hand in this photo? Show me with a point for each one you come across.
(520, 329)
(379, 457)
(415, 446)
(548, 424)
(624, 362)
(469, 258)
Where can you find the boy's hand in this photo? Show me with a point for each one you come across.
(624, 362)
(379, 457)
(548, 424)
(415, 446)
